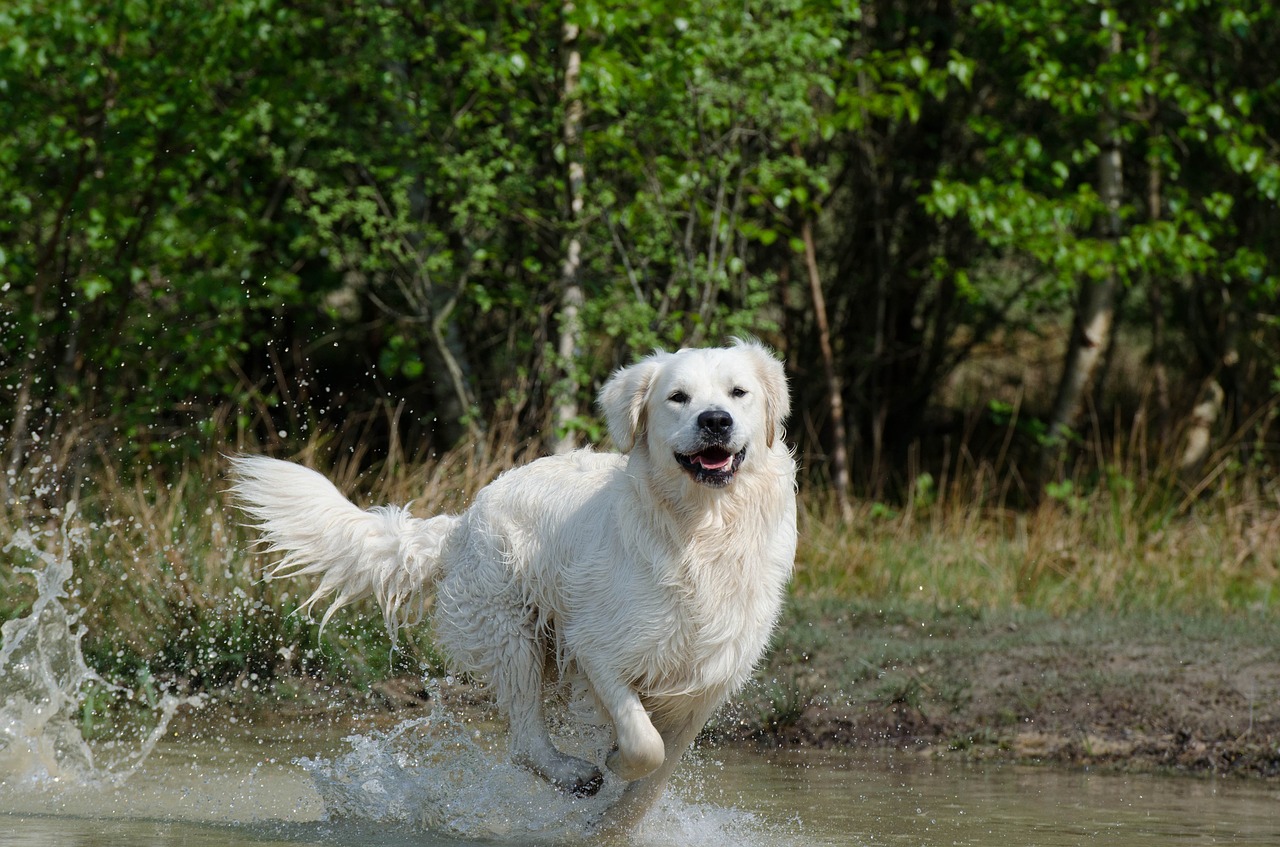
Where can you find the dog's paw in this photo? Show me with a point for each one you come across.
(637, 760)
(579, 787)
(575, 777)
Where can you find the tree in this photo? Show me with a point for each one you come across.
(897, 292)
(1091, 333)
(139, 196)
(1047, 191)
(442, 225)
(571, 297)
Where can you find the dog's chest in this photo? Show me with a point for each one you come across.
(711, 631)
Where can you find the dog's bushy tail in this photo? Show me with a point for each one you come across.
(384, 551)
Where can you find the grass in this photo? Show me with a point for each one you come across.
(1113, 547)
(169, 584)
(171, 588)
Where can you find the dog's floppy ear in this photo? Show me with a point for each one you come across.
(773, 377)
(624, 397)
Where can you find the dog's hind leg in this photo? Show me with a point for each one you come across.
(489, 627)
(517, 683)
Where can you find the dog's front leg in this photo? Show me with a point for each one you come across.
(679, 729)
(517, 683)
(531, 748)
(640, 749)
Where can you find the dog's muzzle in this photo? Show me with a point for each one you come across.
(714, 464)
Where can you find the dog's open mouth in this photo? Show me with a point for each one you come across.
(714, 466)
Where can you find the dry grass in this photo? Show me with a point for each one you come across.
(1113, 546)
(170, 585)
(169, 581)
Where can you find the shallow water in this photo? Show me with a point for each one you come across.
(255, 791)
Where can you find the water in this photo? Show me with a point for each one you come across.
(44, 681)
(242, 792)
(443, 778)
(901, 799)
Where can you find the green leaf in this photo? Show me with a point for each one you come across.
(94, 287)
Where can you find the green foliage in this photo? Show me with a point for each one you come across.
(265, 217)
(1187, 122)
(699, 109)
(1064, 492)
(139, 238)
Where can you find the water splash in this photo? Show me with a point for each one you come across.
(442, 774)
(44, 679)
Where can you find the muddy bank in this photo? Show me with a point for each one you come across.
(1144, 692)
(1151, 692)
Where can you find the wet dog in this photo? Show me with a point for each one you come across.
(655, 574)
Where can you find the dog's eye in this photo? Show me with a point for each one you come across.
(738, 392)
(679, 397)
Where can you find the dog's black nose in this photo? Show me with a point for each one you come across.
(716, 422)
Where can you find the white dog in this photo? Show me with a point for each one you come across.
(656, 574)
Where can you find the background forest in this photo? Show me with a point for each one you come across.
(979, 232)
(1021, 259)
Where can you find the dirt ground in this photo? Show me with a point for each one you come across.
(1144, 692)
(1151, 692)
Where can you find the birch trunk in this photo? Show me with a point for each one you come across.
(1199, 436)
(564, 436)
(1095, 308)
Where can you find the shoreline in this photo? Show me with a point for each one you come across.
(1143, 693)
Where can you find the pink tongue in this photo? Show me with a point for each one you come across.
(711, 464)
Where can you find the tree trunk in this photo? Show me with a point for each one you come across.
(564, 436)
(1095, 308)
(835, 400)
(878, 391)
(1155, 287)
(1198, 439)
(458, 400)
(1155, 299)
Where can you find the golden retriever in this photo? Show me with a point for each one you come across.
(655, 574)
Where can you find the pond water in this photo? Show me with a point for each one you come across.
(260, 790)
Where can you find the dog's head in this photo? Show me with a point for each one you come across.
(702, 410)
